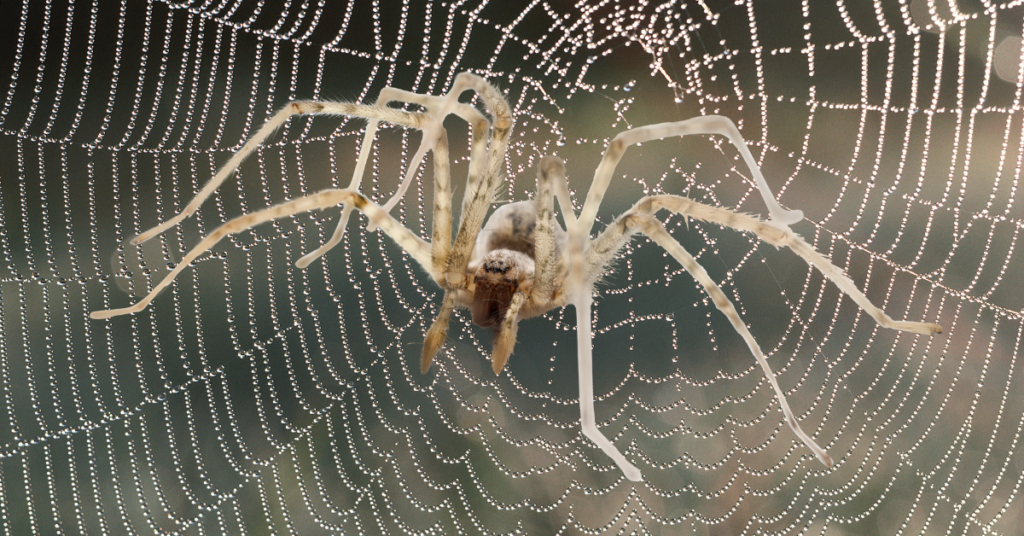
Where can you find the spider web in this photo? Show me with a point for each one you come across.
(257, 398)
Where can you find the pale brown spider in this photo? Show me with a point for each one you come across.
(525, 264)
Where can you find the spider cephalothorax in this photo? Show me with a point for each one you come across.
(522, 263)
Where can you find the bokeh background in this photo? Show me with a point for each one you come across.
(256, 398)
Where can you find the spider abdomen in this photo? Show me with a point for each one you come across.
(512, 227)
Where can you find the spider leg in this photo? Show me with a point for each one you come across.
(493, 100)
(414, 245)
(584, 344)
(477, 198)
(399, 117)
(709, 124)
(653, 228)
(441, 241)
(448, 260)
(783, 236)
(437, 332)
(550, 179)
(640, 218)
(442, 237)
(477, 161)
(434, 106)
(498, 107)
(438, 109)
(551, 183)
(577, 242)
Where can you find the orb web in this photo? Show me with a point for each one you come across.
(254, 397)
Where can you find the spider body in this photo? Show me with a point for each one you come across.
(522, 263)
(504, 264)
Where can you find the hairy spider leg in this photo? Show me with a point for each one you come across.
(438, 108)
(434, 339)
(400, 117)
(374, 114)
(417, 248)
(487, 157)
(553, 180)
(780, 236)
(640, 218)
(588, 422)
(441, 162)
(653, 228)
(709, 124)
(435, 106)
(505, 340)
(478, 199)
(550, 172)
(441, 226)
(580, 288)
(441, 242)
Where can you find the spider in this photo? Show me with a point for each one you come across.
(521, 263)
